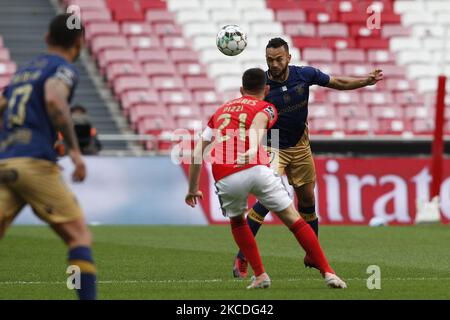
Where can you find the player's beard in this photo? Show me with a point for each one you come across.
(280, 75)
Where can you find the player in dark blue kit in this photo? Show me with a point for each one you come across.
(289, 93)
(33, 108)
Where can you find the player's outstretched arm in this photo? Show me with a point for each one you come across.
(350, 83)
(56, 100)
(194, 172)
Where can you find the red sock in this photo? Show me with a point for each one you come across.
(308, 240)
(245, 240)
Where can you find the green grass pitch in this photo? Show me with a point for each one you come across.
(179, 262)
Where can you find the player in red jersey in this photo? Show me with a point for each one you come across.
(240, 168)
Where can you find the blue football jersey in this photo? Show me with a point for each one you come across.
(291, 100)
(27, 129)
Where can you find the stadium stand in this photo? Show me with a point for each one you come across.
(22, 37)
(162, 54)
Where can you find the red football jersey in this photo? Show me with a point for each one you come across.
(231, 123)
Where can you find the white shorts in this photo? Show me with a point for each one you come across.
(260, 181)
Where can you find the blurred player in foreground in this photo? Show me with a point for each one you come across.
(289, 92)
(240, 168)
(33, 108)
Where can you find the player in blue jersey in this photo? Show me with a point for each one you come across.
(33, 108)
(289, 92)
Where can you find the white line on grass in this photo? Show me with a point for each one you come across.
(169, 281)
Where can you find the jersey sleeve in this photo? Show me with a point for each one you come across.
(315, 76)
(272, 115)
(67, 74)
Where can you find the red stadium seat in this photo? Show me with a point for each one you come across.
(408, 98)
(326, 126)
(423, 126)
(141, 111)
(208, 111)
(399, 84)
(353, 69)
(311, 55)
(144, 42)
(129, 14)
(350, 55)
(344, 97)
(360, 111)
(207, 97)
(127, 83)
(136, 29)
(118, 69)
(185, 111)
(108, 42)
(307, 42)
(155, 125)
(419, 113)
(380, 56)
(136, 97)
(360, 126)
(282, 5)
(312, 5)
(317, 96)
(91, 16)
(371, 43)
(191, 124)
(199, 83)
(165, 29)
(322, 17)
(159, 69)
(101, 29)
(191, 69)
(153, 4)
(157, 16)
(333, 30)
(175, 42)
(361, 30)
(167, 83)
(7, 68)
(152, 55)
(286, 16)
(300, 29)
(318, 110)
(340, 43)
(176, 96)
(88, 4)
(110, 56)
(4, 55)
(393, 126)
(377, 98)
(392, 70)
(387, 112)
(183, 55)
(395, 30)
(329, 68)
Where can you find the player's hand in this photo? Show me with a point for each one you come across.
(375, 76)
(191, 198)
(79, 173)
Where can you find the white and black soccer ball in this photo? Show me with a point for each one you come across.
(231, 40)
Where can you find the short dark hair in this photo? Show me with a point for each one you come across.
(254, 80)
(60, 34)
(79, 108)
(277, 43)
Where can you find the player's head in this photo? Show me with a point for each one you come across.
(277, 57)
(254, 83)
(65, 33)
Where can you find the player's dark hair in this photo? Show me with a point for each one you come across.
(254, 80)
(64, 30)
(277, 43)
(78, 107)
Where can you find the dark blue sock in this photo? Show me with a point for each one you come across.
(309, 215)
(82, 257)
(255, 219)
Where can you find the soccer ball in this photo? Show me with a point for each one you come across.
(231, 40)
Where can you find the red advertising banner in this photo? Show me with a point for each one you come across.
(355, 190)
